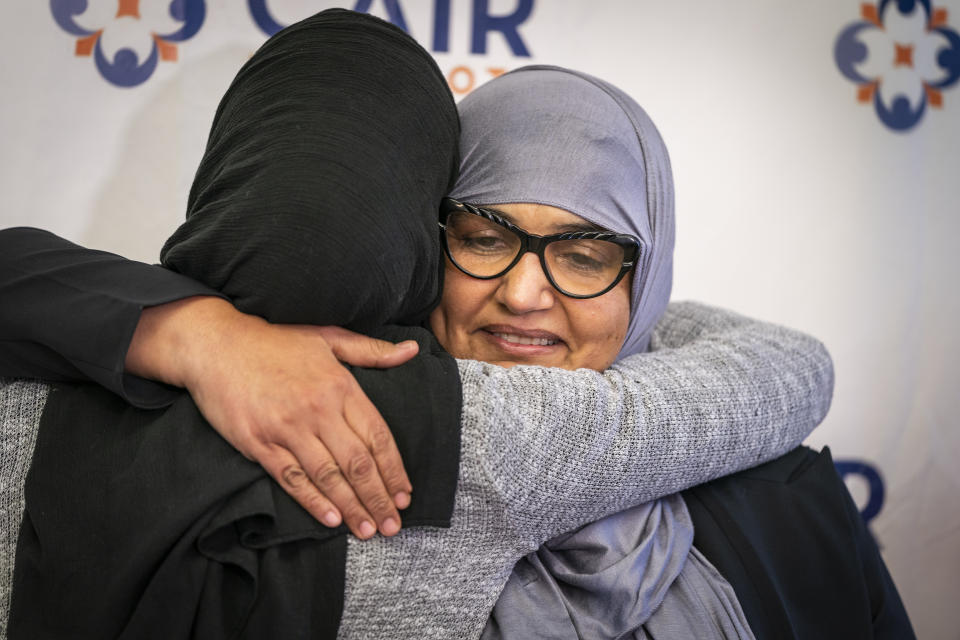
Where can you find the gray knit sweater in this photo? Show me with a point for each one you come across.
(544, 451)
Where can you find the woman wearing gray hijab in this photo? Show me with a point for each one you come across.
(542, 143)
(568, 141)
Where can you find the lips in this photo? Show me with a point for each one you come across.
(509, 336)
(516, 339)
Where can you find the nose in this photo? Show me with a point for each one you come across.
(525, 287)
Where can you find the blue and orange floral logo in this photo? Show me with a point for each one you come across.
(127, 38)
(902, 56)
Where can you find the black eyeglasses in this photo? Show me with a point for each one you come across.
(582, 264)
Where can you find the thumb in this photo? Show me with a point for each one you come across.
(363, 351)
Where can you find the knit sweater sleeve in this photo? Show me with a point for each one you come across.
(21, 406)
(718, 393)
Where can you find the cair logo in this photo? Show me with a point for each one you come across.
(902, 55)
(483, 22)
(127, 38)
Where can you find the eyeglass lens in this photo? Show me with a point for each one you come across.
(483, 248)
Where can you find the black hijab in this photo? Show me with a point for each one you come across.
(316, 202)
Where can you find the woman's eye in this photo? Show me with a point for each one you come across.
(581, 262)
(586, 258)
(484, 243)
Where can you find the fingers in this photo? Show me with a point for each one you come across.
(343, 456)
(354, 484)
(367, 423)
(319, 487)
(364, 351)
(308, 422)
(288, 473)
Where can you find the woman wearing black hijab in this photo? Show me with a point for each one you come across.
(187, 536)
(228, 547)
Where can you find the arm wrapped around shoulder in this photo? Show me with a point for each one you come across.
(740, 364)
(718, 393)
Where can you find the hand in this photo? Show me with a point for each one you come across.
(279, 394)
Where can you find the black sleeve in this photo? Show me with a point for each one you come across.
(69, 313)
(890, 619)
(788, 538)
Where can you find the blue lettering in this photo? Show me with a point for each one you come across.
(484, 23)
(874, 482)
(394, 12)
(261, 15)
(441, 26)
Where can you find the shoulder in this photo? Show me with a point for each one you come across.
(788, 538)
(799, 464)
(799, 479)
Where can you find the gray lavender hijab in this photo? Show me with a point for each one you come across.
(554, 136)
(559, 137)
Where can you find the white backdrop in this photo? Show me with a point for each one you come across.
(808, 192)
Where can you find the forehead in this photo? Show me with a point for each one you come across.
(542, 218)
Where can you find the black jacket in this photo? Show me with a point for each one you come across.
(789, 539)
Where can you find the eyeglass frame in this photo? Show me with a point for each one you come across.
(537, 244)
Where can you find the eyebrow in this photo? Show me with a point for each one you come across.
(567, 227)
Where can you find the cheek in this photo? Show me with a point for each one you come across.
(604, 327)
(620, 311)
(462, 298)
